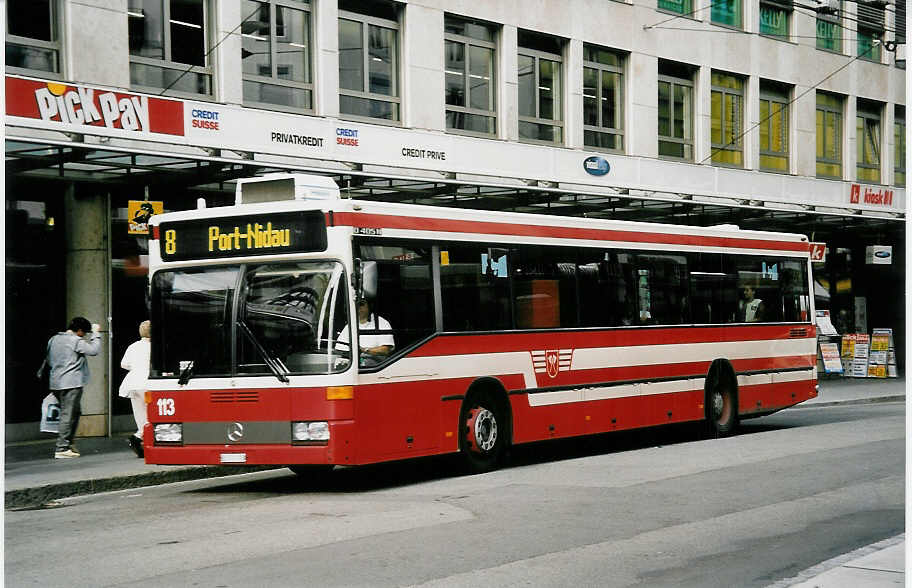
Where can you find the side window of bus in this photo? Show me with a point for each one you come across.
(404, 288)
(661, 286)
(772, 289)
(759, 285)
(794, 288)
(607, 288)
(544, 287)
(475, 287)
(713, 290)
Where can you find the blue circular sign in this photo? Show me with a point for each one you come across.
(596, 166)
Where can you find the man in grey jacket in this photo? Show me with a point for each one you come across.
(69, 373)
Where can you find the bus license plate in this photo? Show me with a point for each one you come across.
(234, 458)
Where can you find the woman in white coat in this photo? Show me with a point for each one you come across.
(136, 360)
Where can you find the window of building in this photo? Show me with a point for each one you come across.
(774, 127)
(169, 45)
(899, 24)
(603, 99)
(540, 109)
(726, 12)
(775, 17)
(369, 60)
(829, 29)
(899, 147)
(276, 53)
(684, 7)
(829, 135)
(32, 37)
(675, 110)
(870, 29)
(470, 76)
(727, 116)
(867, 139)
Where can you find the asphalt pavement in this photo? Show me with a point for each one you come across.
(33, 479)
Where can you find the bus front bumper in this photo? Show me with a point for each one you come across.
(242, 455)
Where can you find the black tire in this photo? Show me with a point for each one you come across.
(311, 470)
(485, 433)
(721, 400)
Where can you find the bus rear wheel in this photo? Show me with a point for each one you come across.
(484, 436)
(721, 401)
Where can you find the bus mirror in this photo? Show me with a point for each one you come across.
(368, 280)
(356, 276)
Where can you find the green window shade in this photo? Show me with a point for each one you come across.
(828, 35)
(678, 6)
(727, 12)
(773, 20)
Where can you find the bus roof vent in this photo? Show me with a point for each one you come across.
(281, 187)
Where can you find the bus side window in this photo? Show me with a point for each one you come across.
(404, 294)
(475, 287)
(607, 288)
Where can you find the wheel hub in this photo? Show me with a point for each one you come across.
(482, 430)
(718, 404)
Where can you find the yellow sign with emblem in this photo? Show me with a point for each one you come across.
(138, 214)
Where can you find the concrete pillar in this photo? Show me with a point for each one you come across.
(850, 141)
(508, 87)
(226, 60)
(750, 141)
(423, 93)
(106, 36)
(642, 118)
(326, 57)
(803, 136)
(702, 116)
(573, 95)
(86, 221)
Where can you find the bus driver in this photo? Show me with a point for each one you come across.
(373, 347)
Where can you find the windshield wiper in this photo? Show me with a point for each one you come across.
(278, 370)
(185, 374)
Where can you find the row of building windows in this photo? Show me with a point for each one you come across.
(776, 21)
(168, 42)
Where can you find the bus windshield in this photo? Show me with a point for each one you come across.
(250, 319)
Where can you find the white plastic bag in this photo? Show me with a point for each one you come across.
(50, 414)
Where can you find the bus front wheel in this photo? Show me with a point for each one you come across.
(484, 436)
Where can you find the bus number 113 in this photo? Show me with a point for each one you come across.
(165, 406)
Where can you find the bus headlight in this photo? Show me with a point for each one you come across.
(310, 431)
(169, 433)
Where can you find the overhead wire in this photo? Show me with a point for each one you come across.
(738, 138)
(208, 53)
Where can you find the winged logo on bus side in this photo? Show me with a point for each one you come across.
(552, 361)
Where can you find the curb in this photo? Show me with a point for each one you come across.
(41, 496)
(878, 399)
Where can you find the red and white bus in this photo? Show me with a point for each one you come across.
(472, 330)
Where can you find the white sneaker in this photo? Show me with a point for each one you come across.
(66, 454)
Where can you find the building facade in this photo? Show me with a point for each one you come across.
(760, 113)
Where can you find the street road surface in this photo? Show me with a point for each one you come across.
(656, 508)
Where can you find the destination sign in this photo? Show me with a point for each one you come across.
(240, 236)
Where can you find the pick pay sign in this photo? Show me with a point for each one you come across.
(138, 214)
(83, 108)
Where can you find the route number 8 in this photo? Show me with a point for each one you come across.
(170, 241)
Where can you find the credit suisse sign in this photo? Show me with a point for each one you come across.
(66, 107)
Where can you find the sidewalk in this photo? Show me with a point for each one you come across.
(33, 478)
